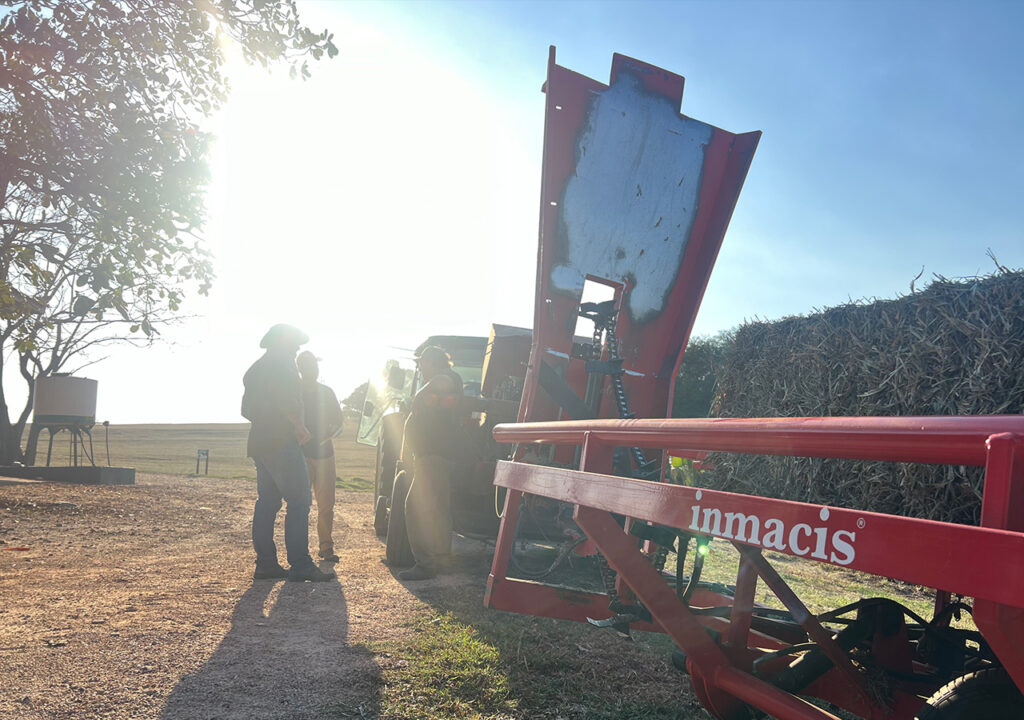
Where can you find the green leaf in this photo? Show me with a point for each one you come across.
(82, 305)
(49, 252)
(129, 165)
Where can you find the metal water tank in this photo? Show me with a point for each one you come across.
(65, 400)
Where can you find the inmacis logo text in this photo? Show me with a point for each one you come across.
(772, 534)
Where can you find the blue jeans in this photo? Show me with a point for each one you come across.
(281, 475)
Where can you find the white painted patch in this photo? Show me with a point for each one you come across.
(628, 211)
(549, 351)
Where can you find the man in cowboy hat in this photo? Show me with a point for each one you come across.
(273, 403)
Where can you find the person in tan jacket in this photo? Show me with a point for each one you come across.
(323, 419)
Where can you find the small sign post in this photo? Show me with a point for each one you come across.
(203, 455)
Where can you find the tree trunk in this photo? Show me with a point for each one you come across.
(10, 437)
(10, 444)
(33, 436)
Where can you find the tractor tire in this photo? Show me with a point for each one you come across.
(388, 447)
(380, 517)
(987, 694)
(398, 550)
(376, 476)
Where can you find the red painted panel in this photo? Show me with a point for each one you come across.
(924, 552)
(570, 111)
(1003, 507)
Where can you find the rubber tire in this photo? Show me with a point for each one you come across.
(377, 474)
(987, 694)
(388, 446)
(398, 550)
(380, 517)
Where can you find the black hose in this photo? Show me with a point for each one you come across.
(698, 567)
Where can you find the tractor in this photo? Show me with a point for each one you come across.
(387, 406)
(492, 370)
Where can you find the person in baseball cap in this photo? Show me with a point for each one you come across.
(323, 419)
(429, 448)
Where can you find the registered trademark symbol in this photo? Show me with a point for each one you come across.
(861, 523)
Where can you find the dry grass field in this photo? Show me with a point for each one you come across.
(138, 602)
(171, 449)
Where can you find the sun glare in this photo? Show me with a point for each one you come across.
(352, 204)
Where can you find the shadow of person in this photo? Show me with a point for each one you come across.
(285, 656)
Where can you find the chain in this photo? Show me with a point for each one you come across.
(608, 579)
(604, 325)
(621, 402)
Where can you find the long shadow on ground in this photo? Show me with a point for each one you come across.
(285, 656)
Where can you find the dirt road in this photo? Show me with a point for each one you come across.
(138, 602)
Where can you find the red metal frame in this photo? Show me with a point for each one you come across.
(652, 349)
(979, 562)
(612, 156)
(650, 345)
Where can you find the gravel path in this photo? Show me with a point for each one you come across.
(138, 602)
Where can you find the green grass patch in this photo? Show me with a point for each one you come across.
(468, 662)
(450, 671)
(356, 484)
(820, 586)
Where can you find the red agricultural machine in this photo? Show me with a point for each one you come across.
(635, 203)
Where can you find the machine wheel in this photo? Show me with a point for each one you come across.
(982, 695)
(380, 516)
(398, 550)
(388, 445)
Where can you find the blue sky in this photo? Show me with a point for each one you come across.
(889, 128)
(395, 194)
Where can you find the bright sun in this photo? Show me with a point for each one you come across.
(352, 205)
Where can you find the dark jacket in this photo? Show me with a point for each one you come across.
(272, 394)
(434, 428)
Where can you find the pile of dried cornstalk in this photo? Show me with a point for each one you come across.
(954, 348)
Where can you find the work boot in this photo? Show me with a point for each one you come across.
(330, 556)
(271, 573)
(416, 572)
(312, 574)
